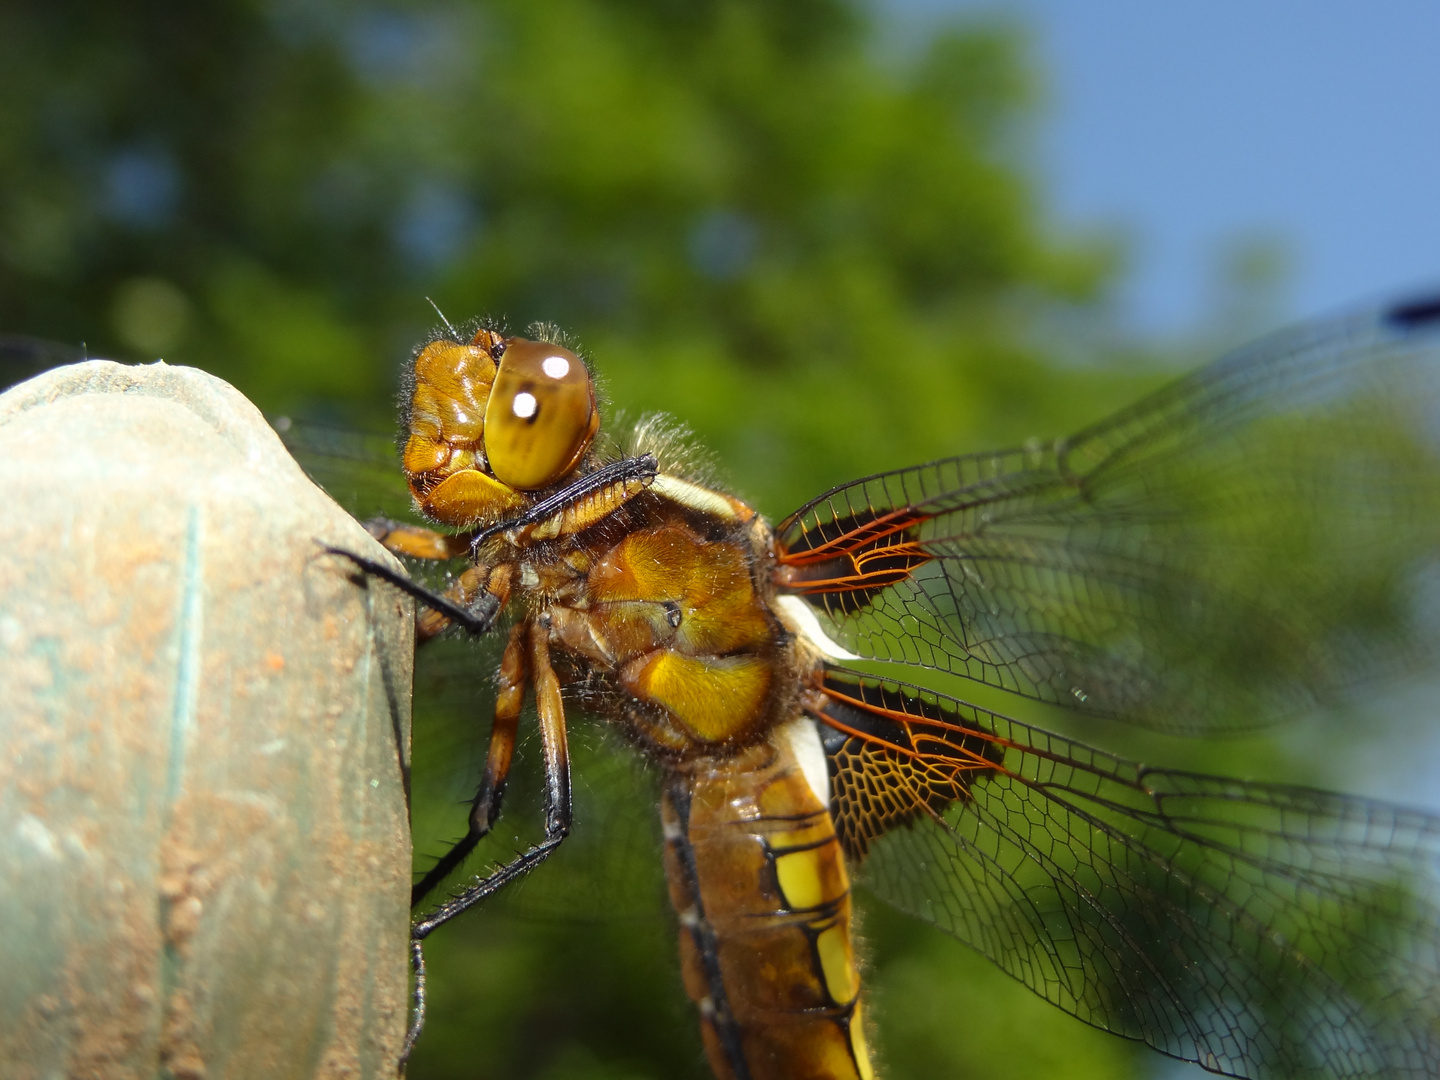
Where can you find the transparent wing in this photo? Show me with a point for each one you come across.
(1245, 543)
(1260, 930)
(358, 469)
(23, 357)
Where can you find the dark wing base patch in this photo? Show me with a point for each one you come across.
(893, 757)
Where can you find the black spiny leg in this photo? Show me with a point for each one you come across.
(478, 618)
(417, 1008)
(551, 711)
(486, 805)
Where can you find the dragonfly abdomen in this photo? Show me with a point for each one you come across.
(758, 879)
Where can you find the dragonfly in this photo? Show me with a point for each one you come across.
(1255, 541)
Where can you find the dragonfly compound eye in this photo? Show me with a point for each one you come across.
(541, 415)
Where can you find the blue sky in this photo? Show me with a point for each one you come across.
(1193, 127)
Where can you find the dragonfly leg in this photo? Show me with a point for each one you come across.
(578, 505)
(551, 710)
(483, 590)
(473, 609)
(483, 812)
(417, 1005)
(486, 805)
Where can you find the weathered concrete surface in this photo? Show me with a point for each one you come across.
(204, 730)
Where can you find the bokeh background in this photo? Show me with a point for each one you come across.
(830, 237)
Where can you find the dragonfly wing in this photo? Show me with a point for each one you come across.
(23, 357)
(1247, 542)
(358, 469)
(1261, 930)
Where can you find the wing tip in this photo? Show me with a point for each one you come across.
(1420, 313)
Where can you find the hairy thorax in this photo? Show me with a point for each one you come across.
(663, 624)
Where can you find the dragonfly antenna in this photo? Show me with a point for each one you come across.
(443, 319)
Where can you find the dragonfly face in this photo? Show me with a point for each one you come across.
(492, 419)
(1249, 542)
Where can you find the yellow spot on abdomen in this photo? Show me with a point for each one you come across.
(837, 964)
(801, 883)
(858, 1046)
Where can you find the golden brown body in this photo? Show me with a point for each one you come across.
(654, 595)
(672, 621)
(757, 877)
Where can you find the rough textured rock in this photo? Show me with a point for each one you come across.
(204, 737)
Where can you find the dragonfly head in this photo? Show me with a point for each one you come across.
(492, 421)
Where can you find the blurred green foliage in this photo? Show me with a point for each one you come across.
(824, 258)
(732, 206)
